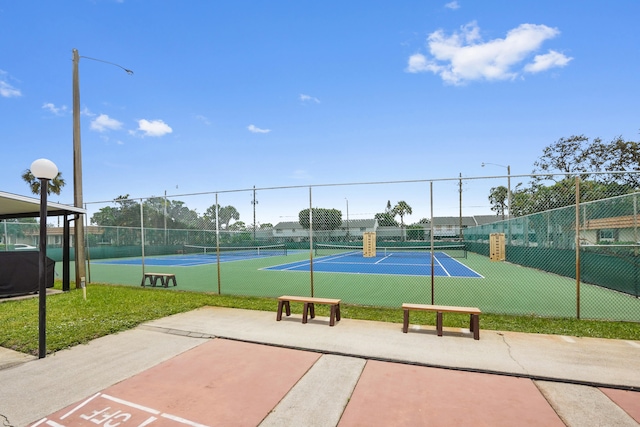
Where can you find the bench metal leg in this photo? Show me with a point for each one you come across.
(312, 310)
(332, 316)
(279, 313)
(338, 312)
(174, 280)
(439, 323)
(405, 325)
(475, 326)
(283, 304)
(305, 312)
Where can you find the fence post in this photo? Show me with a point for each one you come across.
(142, 232)
(311, 240)
(218, 242)
(578, 247)
(432, 260)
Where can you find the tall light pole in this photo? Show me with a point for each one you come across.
(508, 167)
(79, 249)
(45, 170)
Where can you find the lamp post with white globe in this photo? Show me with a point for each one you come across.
(44, 170)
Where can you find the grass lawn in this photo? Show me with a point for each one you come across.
(108, 309)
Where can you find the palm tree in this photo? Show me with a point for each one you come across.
(498, 197)
(55, 185)
(401, 209)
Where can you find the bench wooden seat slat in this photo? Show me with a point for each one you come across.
(308, 308)
(473, 312)
(444, 308)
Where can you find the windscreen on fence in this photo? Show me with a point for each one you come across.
(384, 244)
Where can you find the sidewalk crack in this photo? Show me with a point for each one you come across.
(504, 340)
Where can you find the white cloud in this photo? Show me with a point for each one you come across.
(463, 56)
(419, 63)
(58, 111)
(549, 60)
(6, 90)
(308, 98)
(104, 123)
(153, 127)
(86, 112)
(255, 129)
(452, 5)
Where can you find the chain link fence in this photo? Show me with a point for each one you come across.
(569, 245)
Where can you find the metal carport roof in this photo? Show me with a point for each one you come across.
(15, 206)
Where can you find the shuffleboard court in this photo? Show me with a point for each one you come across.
(388, 261)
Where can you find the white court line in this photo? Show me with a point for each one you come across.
(382, 259)
(79, 406)
(446, 272)
(568, 339)
(131, 404)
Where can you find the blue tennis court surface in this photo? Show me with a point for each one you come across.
(193, 255)
(388, 263)
(176, 260)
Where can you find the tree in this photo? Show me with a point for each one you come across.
(388, 209)
(323, 219)
(566, 155)
(616, 156)
(55, 185)
(578, 155)
(401, 209)
(386, 220)
(388, 217)
(126, 213)
(226, 214)
(498, 198)
(238, 226)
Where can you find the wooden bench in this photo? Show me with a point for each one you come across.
(308, 309)
(163, 277)
(473, 312)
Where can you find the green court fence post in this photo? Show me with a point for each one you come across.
(432, 260)
(218, 243)
(311, 239)
(578, 247)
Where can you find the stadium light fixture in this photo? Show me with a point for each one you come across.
(44, 170)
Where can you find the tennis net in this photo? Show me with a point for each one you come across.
(270, 250)
(452, 251)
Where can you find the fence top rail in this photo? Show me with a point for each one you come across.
(346, 184)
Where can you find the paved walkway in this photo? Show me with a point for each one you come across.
(229, 367)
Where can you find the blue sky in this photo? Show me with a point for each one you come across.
(234, 94)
